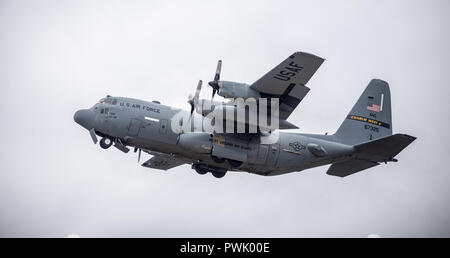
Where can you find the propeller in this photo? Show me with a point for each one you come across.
(215, 83)
(193, 100)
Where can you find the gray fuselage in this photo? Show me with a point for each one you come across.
(148, 126)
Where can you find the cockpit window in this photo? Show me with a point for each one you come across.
(108, 100)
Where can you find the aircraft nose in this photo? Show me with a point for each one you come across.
(85, 118)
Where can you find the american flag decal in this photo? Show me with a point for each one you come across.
(375, 107)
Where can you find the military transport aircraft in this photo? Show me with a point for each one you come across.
(175, 137)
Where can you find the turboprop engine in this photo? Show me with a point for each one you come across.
(236, 90)
(229, 89)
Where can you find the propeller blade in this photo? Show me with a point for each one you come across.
(139, 155)
(218, 70)
(193, 100)
(215, 84)
(213, 94)
(197, 91)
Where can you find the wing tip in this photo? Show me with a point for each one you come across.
(406, 136)
(307, 54)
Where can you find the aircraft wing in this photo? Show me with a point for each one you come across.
(287, 81)
(163, 162)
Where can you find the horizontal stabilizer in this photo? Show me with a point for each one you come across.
(346, 168)
(369, 154)
(384, 149)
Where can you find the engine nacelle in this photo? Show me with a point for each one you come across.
(236, 90)
(196, 142)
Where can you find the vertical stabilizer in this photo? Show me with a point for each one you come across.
(370, 118)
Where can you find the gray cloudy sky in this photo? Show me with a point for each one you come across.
(60, 56)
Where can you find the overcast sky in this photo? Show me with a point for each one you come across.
(60, 56)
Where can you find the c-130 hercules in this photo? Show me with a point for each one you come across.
(175, 137)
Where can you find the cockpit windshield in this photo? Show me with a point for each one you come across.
(108, 100)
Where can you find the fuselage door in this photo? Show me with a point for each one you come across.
(262, 154)
(163, 126)
(272, 156)
(133, 128)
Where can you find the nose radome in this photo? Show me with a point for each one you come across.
(85, 118)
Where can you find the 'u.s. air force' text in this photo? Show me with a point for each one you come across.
(137, 106)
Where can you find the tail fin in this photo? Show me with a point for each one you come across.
(370, 118)
(368, 128)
